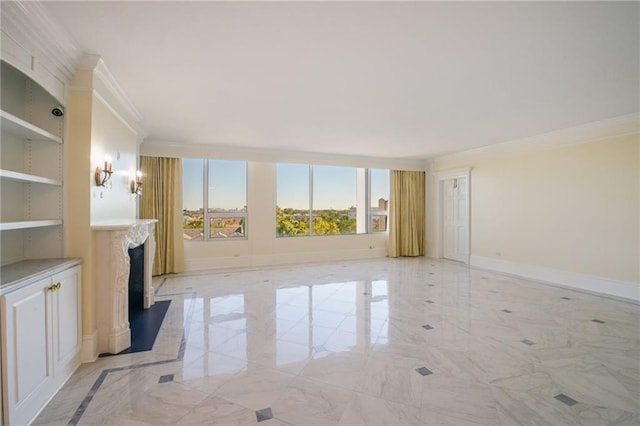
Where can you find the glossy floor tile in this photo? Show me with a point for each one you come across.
(391, 341)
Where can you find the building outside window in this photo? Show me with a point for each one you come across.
(221, 185)
(379, 200)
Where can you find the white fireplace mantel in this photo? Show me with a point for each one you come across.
(112, 241)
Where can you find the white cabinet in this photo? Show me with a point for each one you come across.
(41, 341)
(27, 331)
(31, 170)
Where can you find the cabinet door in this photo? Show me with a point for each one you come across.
(2, 409)
(26, 344)
(67, 336)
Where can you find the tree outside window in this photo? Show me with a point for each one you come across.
(330, 200)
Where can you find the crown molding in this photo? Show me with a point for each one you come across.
(114, 88)
(177, 149)
(591, 132)
(28, 23)
(99, 80)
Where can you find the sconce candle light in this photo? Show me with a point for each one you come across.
(103, 175)
(136, 184)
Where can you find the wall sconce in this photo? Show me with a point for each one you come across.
(103, 174)
(136, 184)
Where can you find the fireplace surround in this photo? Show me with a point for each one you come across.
(112, 241)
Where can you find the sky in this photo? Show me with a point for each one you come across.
(227, 184)
(333, 187)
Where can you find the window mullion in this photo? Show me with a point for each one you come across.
(367, 199)
(207, 220)
(310, 199)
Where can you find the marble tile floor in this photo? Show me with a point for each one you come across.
(390, 341)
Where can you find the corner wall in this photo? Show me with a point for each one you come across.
(79, 238)
(96, 127)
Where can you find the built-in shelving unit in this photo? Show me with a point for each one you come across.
(40, 289)
(26, 224)
(25, 130)
(31, 170)
(26, 178)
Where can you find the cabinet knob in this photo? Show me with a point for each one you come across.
(54, 287)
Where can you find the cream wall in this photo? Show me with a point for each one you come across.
(573, 209)
(111, 136)
(568, 215)
(262, 248)
(95, 127)
(78, 238)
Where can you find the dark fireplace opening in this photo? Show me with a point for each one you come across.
(136, 278)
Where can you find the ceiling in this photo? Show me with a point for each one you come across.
(378, 79)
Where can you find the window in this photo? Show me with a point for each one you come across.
(227, 212)
(293, 197)
(334, 200)
(221, 185)
(330, 200)
(192, 199)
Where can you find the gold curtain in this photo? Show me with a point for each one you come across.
(406, 213)
(162, 199)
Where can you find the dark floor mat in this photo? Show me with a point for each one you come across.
(145, 325)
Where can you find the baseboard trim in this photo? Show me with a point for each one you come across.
(328, 256)
(209, 263)
(89, 351)
(605, 286)
(206, 263)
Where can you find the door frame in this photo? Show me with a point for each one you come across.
(439, 178)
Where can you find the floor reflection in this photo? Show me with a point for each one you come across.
(391, 341)
(295, 324)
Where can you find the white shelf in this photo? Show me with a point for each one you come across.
(25, 224)
(26, 178)
(24, 130)
(31, 170)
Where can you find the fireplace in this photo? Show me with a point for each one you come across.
(112, 242)
(136, 278)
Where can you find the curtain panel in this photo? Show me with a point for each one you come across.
(406, 213)
(161, 199)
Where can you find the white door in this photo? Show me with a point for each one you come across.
(454, 213)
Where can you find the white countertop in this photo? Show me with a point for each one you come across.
(20, 274)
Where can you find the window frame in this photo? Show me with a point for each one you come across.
(370, 214)
(366, 200)
(207, 216)
(311, 196)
